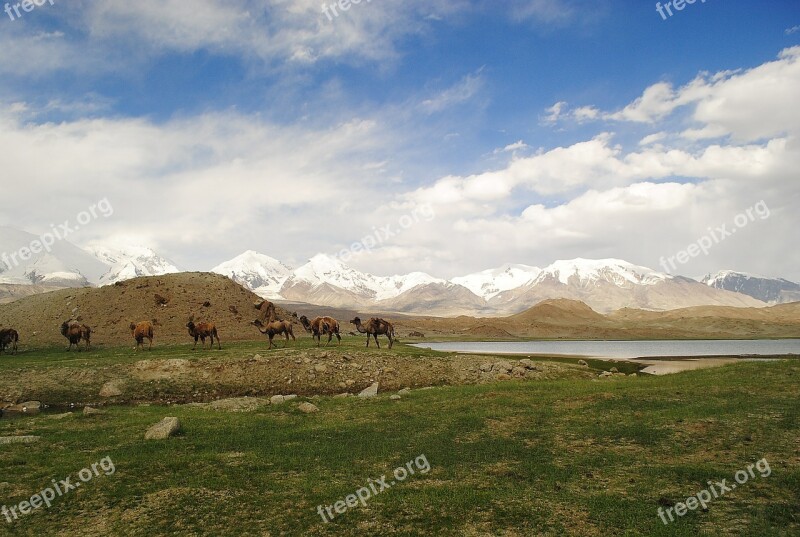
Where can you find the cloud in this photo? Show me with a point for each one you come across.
(464, 91)
(747, 105)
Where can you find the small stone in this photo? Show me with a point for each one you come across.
(257, 357)
(343, 385)
(306, 360)
(372, 391)
(289, 397)
(320, 368)
(342, 395)
(349, 382)
(404, 391)
(307, 408)
(526, 363)
(165, 428)
(583, 363)
(614, 370)
(277, 400)
(27, 406)
(395, 397)
(89, 411)
(486, 367)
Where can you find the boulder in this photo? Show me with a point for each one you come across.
(89, 411)
(395, 397)
(165, 428)
(372, 391)
(111, 389)
(27, 406)
(307, 408)
(583, 363)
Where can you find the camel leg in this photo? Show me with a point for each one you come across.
(378, 343)
(219, 344)
(339, 338)
(330, 337)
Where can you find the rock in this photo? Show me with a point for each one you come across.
(307, 408)
(583, 363)
(27, 406)
(89, 411)
(395, 397)
(633, 375)
(372, 391)
(347, 357)
(60, 416)
(349, 382)
(614, 370)
(5, 440)
(163, 429)
(111, 389)
(322, 356)
(503, 376)
(320, 368)
(306, 360)
(502, 367)
(527, 364)
(404, 391)
(289, 397)
(606, 374)
(236, 404)
(518, 371)
(277, 400)
(486, 367)
(342, 395)
(257, 357)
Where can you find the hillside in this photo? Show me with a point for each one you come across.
(167, 301)
(570, 319)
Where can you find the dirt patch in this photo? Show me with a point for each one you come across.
(285, 372)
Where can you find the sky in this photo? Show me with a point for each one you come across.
(459, 135)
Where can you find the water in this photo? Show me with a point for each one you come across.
(627, 349)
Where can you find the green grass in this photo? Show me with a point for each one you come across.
(516, 458)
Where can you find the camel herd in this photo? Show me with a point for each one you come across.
(266, 323)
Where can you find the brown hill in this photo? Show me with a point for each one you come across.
(570, 319)
(167, 301)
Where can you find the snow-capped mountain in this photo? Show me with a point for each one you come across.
(61, 264)
(261, 273)
(130, 261)
(489, 283)
(770, 290)
(610, 284)
(603, 284)
(327, 278)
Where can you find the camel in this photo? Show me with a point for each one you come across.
(74, 332)
(266, 309)
(202, 331)
(8, 336)
(374, 328)
(320, 326)
(140, 331)
(275, 328)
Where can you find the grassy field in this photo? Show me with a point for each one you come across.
(564, 457)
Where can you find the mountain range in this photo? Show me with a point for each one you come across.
(604, 284)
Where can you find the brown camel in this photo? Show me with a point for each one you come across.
(202, 331)
(320, 326)
(8, 336)
(74, 332)
(140, 331)
(375, 327)
(275, 328)
(266, 309)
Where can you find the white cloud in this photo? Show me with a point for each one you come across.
(460, 93)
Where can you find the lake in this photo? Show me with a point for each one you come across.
(625, 350)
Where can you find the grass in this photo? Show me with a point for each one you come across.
(568, 457)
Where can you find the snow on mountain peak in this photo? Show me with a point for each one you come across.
(128, 261)
(261, 273)
(491, 282)
(614, 271)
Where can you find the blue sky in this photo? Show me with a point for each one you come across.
(524, 126)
